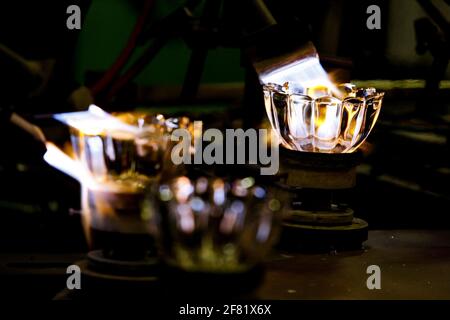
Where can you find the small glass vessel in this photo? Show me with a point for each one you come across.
(322, 120)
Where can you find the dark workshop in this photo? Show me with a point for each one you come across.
(217, 150)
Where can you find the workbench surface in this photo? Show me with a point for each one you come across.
(414, 264)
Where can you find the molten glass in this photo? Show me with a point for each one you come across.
(320, 119)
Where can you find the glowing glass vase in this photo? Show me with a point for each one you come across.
(320, 119)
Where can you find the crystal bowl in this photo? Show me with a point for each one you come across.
(320, 119)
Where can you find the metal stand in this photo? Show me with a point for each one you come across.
(316, 220)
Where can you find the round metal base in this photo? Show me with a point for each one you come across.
(100, 285)
(104, 277)
(325, 218)
(145, 267)
(308, 237)
(325, 171)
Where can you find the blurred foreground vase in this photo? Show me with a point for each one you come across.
(214, 230)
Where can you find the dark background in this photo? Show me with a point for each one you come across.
(402, 184)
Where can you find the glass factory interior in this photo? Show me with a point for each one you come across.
(254, 149)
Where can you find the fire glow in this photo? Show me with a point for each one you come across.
(61, 161)
(114, 160)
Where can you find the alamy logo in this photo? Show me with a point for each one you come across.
(374, 20)
(374, 280)
(74, 20)
(74, 280)
(236, 146)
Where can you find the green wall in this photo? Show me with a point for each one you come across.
(107, 27)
